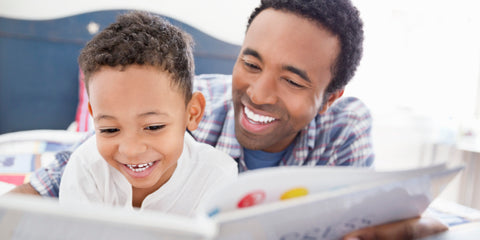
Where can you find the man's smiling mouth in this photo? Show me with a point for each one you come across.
(257, 118)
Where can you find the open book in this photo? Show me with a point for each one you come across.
(272, 203)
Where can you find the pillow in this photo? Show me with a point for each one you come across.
(83, 120)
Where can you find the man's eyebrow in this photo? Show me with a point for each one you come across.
(295, 70)
(251, 52)
(298, 71)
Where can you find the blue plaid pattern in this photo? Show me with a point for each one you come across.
(339, 137)
(46, 180)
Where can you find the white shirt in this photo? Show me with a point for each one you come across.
(201, 169)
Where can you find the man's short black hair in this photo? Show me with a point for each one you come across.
(339, 17)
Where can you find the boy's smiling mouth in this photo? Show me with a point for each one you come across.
(139, 167)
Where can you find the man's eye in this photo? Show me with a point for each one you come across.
(294, 84)
(109, 130)
(251, 65)
(154, 127)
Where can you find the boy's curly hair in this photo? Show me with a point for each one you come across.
(140, 38)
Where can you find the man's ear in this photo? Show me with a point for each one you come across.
(331, 99)
(90, 109)
(195, 110)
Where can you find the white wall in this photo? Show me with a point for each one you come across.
(223, 19)
(419, 74)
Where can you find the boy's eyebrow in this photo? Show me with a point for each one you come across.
(295, 70)
(145, 114)
(103, 116)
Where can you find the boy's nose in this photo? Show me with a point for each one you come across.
(131, 147)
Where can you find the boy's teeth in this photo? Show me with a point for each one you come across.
(139, 167)
(256, 117)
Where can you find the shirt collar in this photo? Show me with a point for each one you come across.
(304, 143)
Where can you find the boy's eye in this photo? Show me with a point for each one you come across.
(109, 130)
(154, 127)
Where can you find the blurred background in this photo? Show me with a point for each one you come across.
(419, 75)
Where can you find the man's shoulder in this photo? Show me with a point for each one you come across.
(217, 90)
(345, 113)
(213, 77)
(212, 81)
(349, 108)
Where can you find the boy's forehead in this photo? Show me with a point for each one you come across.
(126, 69)
(133, 72)
(135, 82)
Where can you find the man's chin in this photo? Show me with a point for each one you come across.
(248, 140)
(251, 144)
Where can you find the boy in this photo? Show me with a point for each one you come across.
(138, 76)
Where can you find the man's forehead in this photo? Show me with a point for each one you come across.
(288, 39)
(284, 15)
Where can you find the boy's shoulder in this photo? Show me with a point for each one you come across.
(207, 156)
(87, 155)
(87, 148)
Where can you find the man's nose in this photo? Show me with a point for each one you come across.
(263, 91)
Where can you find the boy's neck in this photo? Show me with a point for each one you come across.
(139, 194)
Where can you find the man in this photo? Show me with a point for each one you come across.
(278, 107)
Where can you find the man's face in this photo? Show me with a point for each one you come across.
(279, 79)
(140, 121)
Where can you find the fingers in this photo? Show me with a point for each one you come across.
(25, 188)
(406, 229)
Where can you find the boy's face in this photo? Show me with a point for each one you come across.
(279, 79)
(140, 121)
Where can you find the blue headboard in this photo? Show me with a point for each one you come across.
(39, 70)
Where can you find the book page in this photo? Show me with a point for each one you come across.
(269, 185)
(335, 211)
(38, 218)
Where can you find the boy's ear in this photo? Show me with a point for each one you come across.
(90, 109)
(331, 99)
(195, 110)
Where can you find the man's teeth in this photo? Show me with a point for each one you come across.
(139, 167)
(257, 118)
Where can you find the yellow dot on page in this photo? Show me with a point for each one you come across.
(293, 193)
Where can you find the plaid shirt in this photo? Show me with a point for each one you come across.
(339, 137)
